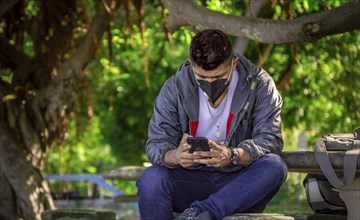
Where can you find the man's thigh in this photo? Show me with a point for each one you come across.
(192, 185)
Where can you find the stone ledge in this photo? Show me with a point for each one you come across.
(124, 173)
(275, 216)
(297, 161)
(308, 163)
(77, 214)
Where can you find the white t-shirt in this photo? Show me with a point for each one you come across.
(208, 122)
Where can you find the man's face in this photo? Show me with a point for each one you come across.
(221, 72)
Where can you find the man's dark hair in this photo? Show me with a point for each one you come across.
(210, 48)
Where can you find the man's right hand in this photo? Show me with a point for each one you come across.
(180, 156)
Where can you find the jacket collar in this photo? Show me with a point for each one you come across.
(188, 90)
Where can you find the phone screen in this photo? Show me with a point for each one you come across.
(198, 144)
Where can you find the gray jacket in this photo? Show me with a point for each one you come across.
(254, 122)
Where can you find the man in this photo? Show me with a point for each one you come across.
(234, 104)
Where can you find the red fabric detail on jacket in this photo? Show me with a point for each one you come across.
(193, 127)
(230, 118)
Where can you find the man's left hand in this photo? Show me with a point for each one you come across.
(218, 156)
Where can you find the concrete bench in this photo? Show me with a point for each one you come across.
(71, 214)
(290, 216)
(305, 162)
(297, 161)
(124, 173)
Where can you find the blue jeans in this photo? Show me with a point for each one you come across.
(162, 191)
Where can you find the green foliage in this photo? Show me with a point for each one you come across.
(83, 152)
(322, 93)
(86, 148)
(235, 7)
(31, 8)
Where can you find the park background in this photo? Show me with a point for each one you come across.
(106, 124)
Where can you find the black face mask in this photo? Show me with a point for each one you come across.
(214, 89)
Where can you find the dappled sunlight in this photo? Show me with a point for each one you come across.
(30, 181)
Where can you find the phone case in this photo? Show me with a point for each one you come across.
(198, 144)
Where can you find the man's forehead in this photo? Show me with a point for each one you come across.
(220, 70)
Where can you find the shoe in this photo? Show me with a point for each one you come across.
(193, 214)
(205, 216)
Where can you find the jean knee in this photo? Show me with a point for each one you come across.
(276, 166)
(152, 178)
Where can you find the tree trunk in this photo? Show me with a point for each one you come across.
(26, 193)
(31, 118)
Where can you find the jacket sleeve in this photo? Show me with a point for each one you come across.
(266, 121)
(164, 131)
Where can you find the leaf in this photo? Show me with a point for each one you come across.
(9, 97)
(105, 62)
(125, 76)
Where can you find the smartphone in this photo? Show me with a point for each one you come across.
(198, 144)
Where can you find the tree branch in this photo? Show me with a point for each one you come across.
(59, 97)
(251, 11)
(10, 56)
(21, 64)
(283, 82)
(6, 5)
(305, 28)
(86, 50)
(263, 53)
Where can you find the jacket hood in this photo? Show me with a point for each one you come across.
(188, 89)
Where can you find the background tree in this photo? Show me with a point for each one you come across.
(45, 46)
(60, 76)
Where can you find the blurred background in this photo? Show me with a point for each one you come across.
(107, 125)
